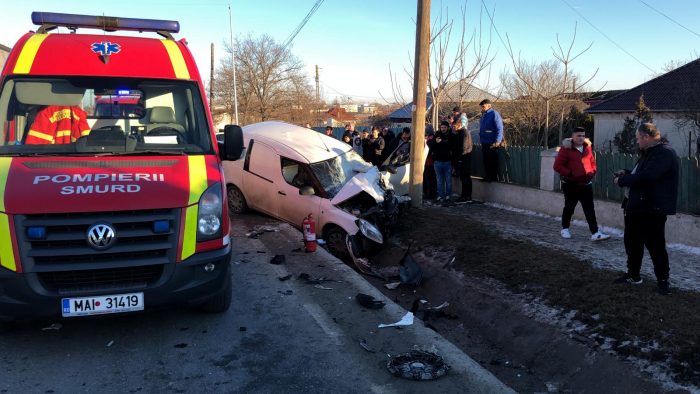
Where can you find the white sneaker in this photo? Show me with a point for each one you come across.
(565, 233)
(599, 236)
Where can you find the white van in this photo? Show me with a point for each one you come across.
(289, 172)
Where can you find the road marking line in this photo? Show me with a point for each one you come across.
(324, 322)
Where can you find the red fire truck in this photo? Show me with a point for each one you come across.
(112, 196)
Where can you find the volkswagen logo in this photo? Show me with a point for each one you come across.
(101, 236)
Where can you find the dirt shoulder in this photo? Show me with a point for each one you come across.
(541, 312)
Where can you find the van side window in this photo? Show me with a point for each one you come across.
(294, 173)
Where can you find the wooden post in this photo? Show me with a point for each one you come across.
(420, 87)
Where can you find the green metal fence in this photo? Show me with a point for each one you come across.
(517, 164)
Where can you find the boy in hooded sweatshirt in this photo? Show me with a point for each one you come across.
(576, 165)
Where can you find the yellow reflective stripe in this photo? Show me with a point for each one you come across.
(198, 178)
(26, 57)
(63, 133)
(197, 168)
(39, 134)
(189, 243)
(176, 59)
(85, 132)
(7, 256)
(5, 163)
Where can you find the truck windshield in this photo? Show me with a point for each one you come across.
(334, 173)
(83, 115)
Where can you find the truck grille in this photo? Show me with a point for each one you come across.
(65, 247)
(128, 278)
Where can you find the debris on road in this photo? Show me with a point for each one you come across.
(53, 327)
(322, 287)
(364, 345)
(418, 365)
(257, 231)
(286, 277)
(287, 292)
(181, 345)
(392, 285)
(409, 271)
(406, 320)
(110, 343)
(242, 328)
(278, 259)
(310, 280)
(368, 301)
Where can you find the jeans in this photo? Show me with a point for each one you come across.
(646, 229)
(490, 156)
(573, 193)
(443, 173)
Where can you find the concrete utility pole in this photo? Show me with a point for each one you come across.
(211, 82)
(420, 87)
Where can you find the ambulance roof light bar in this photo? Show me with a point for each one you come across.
(51, 20)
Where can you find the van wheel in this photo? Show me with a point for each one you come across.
(220, 302)
(335, 239)
(236, 200)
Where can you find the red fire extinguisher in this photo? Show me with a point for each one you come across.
(309, 230)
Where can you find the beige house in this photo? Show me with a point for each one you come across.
(673, 98)
(4, 53)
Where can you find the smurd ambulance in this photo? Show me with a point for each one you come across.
(112, 196)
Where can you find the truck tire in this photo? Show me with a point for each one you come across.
(236, 200)
(220, 302)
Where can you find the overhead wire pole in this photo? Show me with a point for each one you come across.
(420, 87)
(233, 65)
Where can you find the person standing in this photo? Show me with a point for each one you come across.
(329, 131)
(651, 197)
(491, 137)
(576, 165)
(463, 158)
(376, 146)
(442, 149)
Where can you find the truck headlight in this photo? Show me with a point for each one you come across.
(370, 231)
(209, 214)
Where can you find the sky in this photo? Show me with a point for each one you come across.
(354, 43)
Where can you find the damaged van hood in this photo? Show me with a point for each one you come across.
(362, 182)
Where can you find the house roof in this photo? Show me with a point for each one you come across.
(405, 111)
(453, 92)
(340, 114)
(667, 92)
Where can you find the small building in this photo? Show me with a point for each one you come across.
(4, 54)
(673, 98)
(338, 117)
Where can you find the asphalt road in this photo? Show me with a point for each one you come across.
(278, 337)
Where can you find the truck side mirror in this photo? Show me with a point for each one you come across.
(233, 143)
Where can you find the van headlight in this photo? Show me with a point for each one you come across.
(370, 231)
(209, 214)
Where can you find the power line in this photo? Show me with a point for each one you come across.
(668, 17)
(347, 95)
(494, 25)
(606, 36)
(303, 23)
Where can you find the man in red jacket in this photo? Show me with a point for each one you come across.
(576, 165)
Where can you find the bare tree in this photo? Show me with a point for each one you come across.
(270, 82)
(548, 81)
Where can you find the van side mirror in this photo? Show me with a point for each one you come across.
(233, 143)
(307, 191)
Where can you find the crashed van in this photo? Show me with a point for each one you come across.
(289, 172)
(112, 197)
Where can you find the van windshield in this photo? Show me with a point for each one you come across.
(85, 115)
(334, 173)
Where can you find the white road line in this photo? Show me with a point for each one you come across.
(326, 324)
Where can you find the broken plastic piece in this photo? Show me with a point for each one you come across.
(110, 343)
(278, 259)
(368, 301)
(406, 320)
(54, 326)
(392, 286)
(286, 277)
(364, 345)
(418, 365)
(409, 271)
(323, 287)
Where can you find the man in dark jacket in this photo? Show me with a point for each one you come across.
(575, 164)
(652, 194)
(463, 158)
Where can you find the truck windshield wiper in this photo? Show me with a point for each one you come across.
(145, 153)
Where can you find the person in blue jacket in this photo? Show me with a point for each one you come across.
(491, 138)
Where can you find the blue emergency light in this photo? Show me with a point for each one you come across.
(107, 23)
(123, 92)
(36, 232)
(161, 226)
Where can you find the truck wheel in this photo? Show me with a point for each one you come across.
(236, 200)
(335, 239)
(221, 301)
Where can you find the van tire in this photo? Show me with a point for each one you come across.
(221, 301)
(335, 239)
(236, 200)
